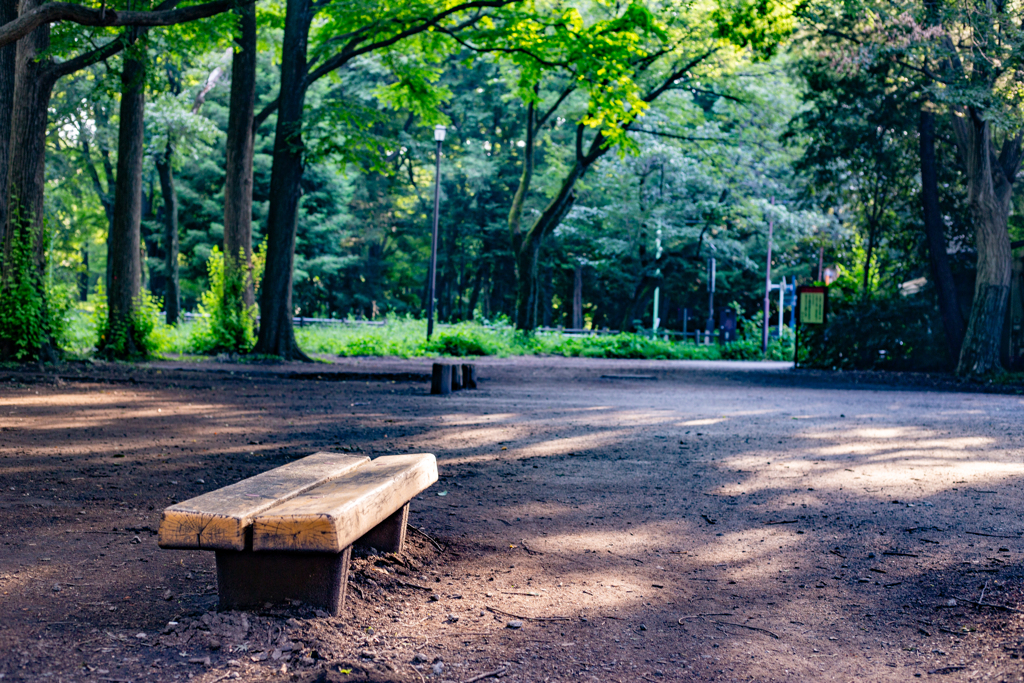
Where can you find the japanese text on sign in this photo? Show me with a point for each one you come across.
(812, 307)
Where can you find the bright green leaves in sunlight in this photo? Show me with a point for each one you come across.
(761, 25)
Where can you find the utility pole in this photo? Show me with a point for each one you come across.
(655, 319)
(768, 281)
(712, 276)
(439, 132)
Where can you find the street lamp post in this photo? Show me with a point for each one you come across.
(768, 282)
(439, 132)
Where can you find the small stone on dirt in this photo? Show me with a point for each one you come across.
(56, 588)
(168, 595)
(420, 658)
(434, 597)
(515, 623)
(438, 668)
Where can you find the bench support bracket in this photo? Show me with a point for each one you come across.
(247, 579)
(389, 535)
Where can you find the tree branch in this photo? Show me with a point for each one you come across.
(52, 12)
(353, 49)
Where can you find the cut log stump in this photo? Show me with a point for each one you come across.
(456, 377)
(468, 376)
(441, 379)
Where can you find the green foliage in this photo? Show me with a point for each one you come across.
(226, 324)
(895, 333)
(25, 323)
(407, 338)
(136, 338)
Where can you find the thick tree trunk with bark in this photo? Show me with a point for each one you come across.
(528, 250)
(126, 267)
(277, 337)
(238, 180)
(172, 273)
(8, 56)
(942, 274)
(32, 86)
(990, 177)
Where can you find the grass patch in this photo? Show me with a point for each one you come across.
(406, 338)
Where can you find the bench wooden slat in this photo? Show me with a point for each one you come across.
(332, 516)
(218, 520)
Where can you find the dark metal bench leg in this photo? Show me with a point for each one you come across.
(247, 579)
(389, 535)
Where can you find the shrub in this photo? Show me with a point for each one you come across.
(226, 324)
(130, 339)
(894, 333)
(32, 312)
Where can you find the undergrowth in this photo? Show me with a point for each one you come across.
(406, 338)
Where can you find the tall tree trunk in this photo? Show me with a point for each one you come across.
(869, 254)
(942, 274)
(238, 180)
(32, 87)
(126, 266)
(989, 192)
(528, 251)
(277, 337)
(25, 178)
(8, 57)
(172, 273)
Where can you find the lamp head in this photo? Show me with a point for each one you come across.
(439, 132)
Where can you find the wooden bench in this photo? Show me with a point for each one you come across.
(287, 534)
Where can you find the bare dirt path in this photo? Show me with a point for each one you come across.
(638, 521)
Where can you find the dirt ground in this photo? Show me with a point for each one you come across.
(594, 520)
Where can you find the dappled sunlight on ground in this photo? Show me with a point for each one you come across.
(703, 528)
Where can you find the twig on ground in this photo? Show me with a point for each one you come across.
(709, 520)
(837, 554)
(989, 604)
(405, 584)
(529, 550)
(978, 533)
(947, 669)
(427, 536)
(701, 616)
(752, 628)
(516, 616)
(422, 679)
(981, 598)
(782, 521)
(893, 552)
(488, 674)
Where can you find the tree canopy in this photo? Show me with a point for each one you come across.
(280, 156)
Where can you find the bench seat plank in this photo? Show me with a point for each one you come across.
(218, 520)
(332, 516)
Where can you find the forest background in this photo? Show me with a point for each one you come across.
(255, 162)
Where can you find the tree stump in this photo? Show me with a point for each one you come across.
(468, 376)
(441, 380)
(456, 377)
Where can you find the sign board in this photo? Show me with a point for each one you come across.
(812, 305)
(727, 325)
